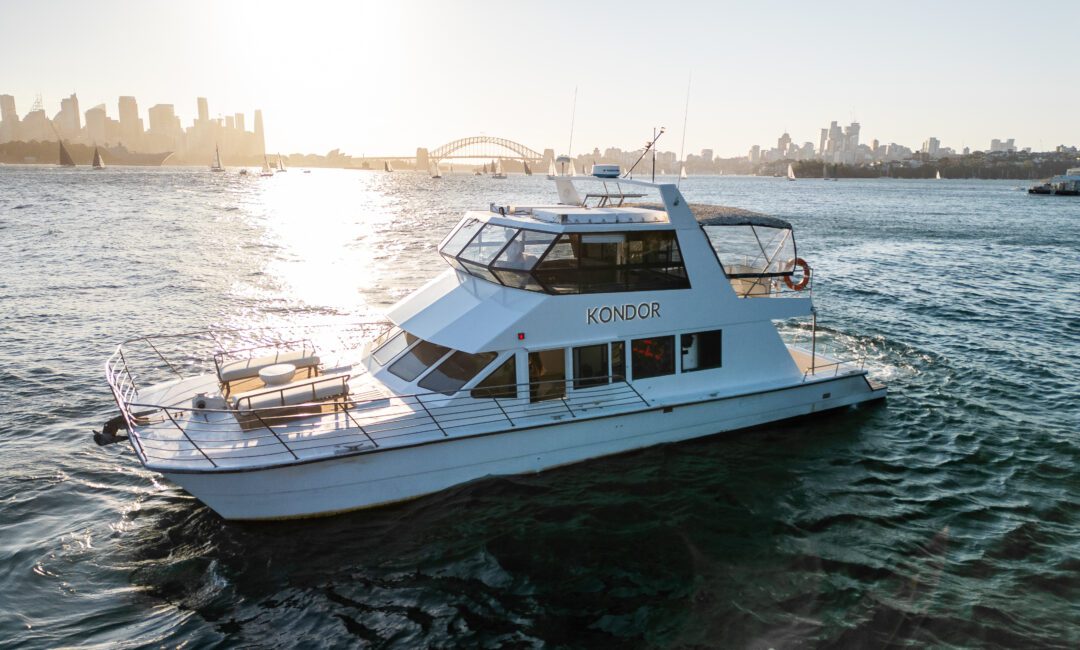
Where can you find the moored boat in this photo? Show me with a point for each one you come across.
(560, 333)
(1067, 184)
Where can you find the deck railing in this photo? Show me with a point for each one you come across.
(184, 436)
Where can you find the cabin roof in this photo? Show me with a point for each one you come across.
(723, 215)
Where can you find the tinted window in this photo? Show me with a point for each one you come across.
(652, 357)
(502, 382)
(417, 360)
(618, 361)
(391, 348)
(547, 375)
(488, 243)
(612, 262)
(702, 350)
(590, 365)
(456, 371)
(458, 240)
(525, 250)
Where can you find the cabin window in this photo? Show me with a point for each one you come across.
(502, 382)
(547, 375)
(517, 279)
(524, 250)
(414, 362)
(392, 347)
(702, 350)
(618, 361)
(613, 262)
(461, 236)
(456, 371)
(487, 244)
(590, 366)
(652, 357)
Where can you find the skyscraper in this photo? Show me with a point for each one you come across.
(130, 128)
(95, 124)
(260, 138)
(204, 110)
(9, 119)
(239, 120)
(68, 121)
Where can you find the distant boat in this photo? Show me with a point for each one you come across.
(215, 164)
(266, 169)
(525, 164)
(552, 173)
(790, 173)
(386, 166)
(498, 171)
(98, 162)
(682, 172)
(243, 171)
(451, 168)
(281, 164)
(485, 168)
(938, 175)
(65, 157)
(435, 171)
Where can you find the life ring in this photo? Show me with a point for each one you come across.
(801, 284)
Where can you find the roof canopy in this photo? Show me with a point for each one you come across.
(722, 215)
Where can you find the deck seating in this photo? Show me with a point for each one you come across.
(229, 372)
(320, 389)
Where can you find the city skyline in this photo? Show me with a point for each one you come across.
(378, 79)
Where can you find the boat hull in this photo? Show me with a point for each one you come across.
(384, 476)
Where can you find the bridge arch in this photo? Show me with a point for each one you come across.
(483, 146)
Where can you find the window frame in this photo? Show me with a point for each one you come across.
(682, 354)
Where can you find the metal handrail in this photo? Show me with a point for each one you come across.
(412, 415)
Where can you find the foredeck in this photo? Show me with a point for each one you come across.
(170, 434)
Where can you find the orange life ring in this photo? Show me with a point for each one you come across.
(800, 262)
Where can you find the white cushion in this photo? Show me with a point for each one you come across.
(247, 368)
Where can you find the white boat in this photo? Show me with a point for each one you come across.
(499, 173)
(790, 173)
(98, 163)
(559, 333)
(281, 164)
(937, 175)
(215, 164)
(435, 171)
(682, 171)
(266, 169)
(387, 167)
(552, 172)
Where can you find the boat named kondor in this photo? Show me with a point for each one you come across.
(596, 325)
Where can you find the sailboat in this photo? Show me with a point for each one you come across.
(65, 157)
(572, 172)
(266, 169)
(215, 164)
(790, 173)
(435, 171)
(386, 166)
(938, 176)
(485, 168)
(682, 172)
(451, 168)
(281, 164)
(498, 170)
(551, 170)
(98, 162)
(525, 164)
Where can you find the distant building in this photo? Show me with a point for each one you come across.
(131, 127)
(96, 120)
(68, 121)
(204, 109)
(1002, 145)
(9, 119)
(931, 146)
(755, 154)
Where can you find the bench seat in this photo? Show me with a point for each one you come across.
(248, 368)
(301, 392)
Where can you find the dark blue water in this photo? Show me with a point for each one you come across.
(948, 516)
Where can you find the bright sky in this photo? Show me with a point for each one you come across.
(385, 77)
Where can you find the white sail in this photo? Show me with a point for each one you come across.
(682, 171)
(790, 172)
(281, 164)
(938, 175)
(435, 171)
(215, 166)
(572, 172)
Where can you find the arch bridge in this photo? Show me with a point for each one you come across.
(484, 146)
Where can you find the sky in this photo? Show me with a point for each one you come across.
(386, 77)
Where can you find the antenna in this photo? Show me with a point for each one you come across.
(686, 115)
(37, 104)
(648, 146)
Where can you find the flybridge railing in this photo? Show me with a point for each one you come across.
(191, 438)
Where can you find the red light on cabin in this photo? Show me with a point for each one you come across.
(521, 336)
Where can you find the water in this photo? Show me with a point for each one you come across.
(950, 515)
